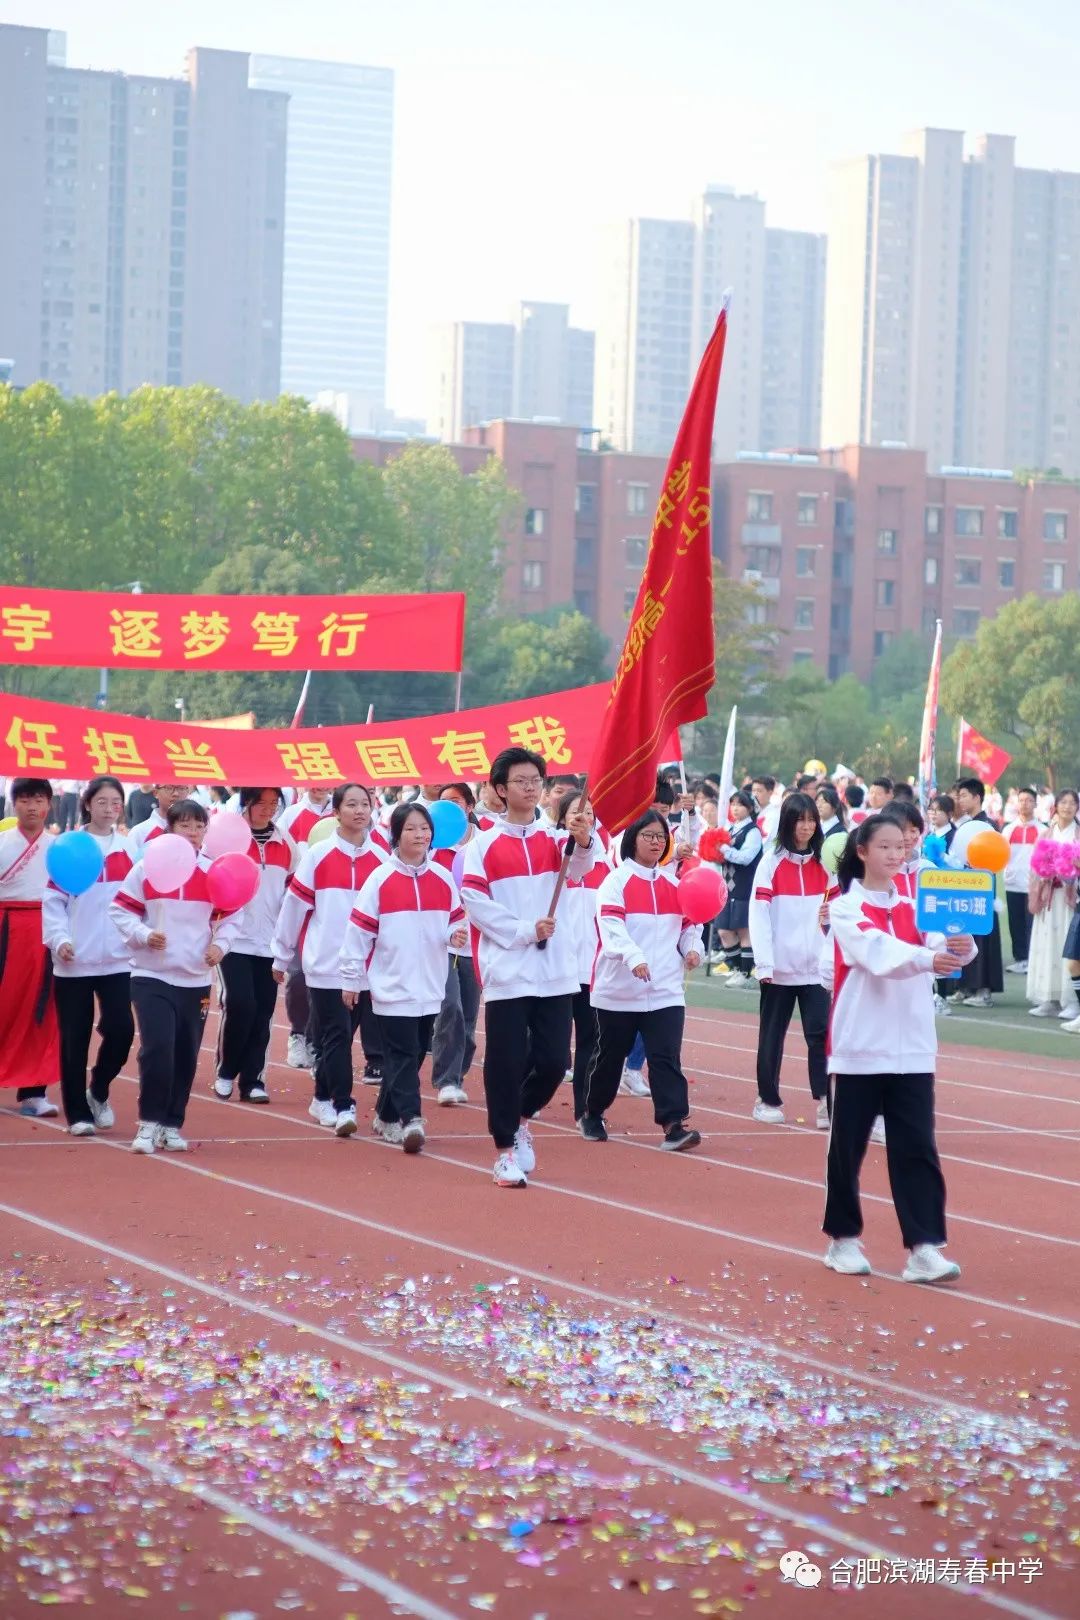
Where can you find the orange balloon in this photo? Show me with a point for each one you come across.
(988, 852)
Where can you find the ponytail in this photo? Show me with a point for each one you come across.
(850, 867)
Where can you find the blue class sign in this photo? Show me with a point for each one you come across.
(955, 902)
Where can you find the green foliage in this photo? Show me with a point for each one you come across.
(745, 670)
(544, 652)
(1016, 683)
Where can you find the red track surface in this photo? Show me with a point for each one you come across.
(290, 1372)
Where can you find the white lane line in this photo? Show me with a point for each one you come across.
(578, 1433)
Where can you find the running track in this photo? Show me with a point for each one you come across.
(290, 1372)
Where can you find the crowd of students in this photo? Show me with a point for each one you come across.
(374, 931)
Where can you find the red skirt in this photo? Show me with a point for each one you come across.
(29, 1038)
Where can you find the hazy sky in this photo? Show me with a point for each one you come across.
(522, 127)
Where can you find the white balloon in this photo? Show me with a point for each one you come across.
(963, 836)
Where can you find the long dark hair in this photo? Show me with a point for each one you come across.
(850, 867)
(827, 792)
(651, 818)
(794, 807)
(400, 815)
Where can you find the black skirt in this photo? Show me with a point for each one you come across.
(1070, 951)
(987, 971)
(735, 915)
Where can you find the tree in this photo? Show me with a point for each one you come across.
(745, 670)
(543, 652)
(448, 534)
(1015, 682)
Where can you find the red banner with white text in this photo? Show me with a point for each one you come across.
(115, 630)
(56, 739)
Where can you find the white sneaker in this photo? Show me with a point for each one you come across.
(1016, 967)
(344, 1121)
(568, 1077)
(735, 977)
(524, 1152)
(146, 1138)
(821, 1118)
(1072, 1027)
(298, 1053)
(1045, 1009)
(81, 1127)
(448, 1096)
(323, 1113)
(460, 1094)
(388, 1130)
(223, 1088)
(634, 1084)
(927, 1264)
(765, 1114)
(845, 1255)
(172, 1141)
(941, 1007)
(412, 1135)
(104, 1118)
(1068, 1012)
(507, 1172)
(38, 1108)
(257, 1094)
(877, 1131)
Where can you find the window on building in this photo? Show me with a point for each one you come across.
(637, 499)
(885, 593)
(888, 542)
(806, 561)
(532, 576)
(1008, 522)
(807, 510)
(932, 524)
(881, 641)
(585, 553)
(755, 613)
(931, 571)
(759, 506)
(1055, 525)
(804, 613)
(629, 598)
(968, 571)
(585, 499)
(763, 560)
(965, 621)
(1006, 573)
(968, 521)
(802, 657)
(636, 550)
(1053, 576)
(535, 517)
(929, 619)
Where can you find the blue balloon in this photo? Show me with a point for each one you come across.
(74, 862)
(450, 823)
(934, 849)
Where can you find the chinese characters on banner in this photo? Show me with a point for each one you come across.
(56, 739)
(101, 629)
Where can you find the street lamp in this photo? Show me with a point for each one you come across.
(181, 708)
(102, 699)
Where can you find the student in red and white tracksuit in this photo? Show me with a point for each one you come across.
(580, 905)
(156, 823)
(526, 961)
(29, 1040)
(296, 823)
(405, 916)
(312, 921)
(790, 888)
(175, 940)
(882, 1053)
(453, 1044)
(1021, 835)
(249, 989)
(646, 944)
(91, 962)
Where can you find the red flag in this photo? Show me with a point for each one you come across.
(928, 737)
(667, 663)
(981, 757)
(672, 749)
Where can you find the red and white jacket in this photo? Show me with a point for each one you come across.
(153, 827)
(784, 929)
(578, 908)
(188, 919)
(399, 931)
(315, 911)
(510, 874)
(1022, 837)
(640, 919)
(259, 917)
(83, 921)
(880, 969)
(23, 873)
(297, 821)
(907, 879)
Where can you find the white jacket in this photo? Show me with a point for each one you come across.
(880, 969)
(84, 921)
(641, 920)
(398, 932)
(510, 874)
(578, 909)
(187, 918)
(153, 827)
(315, 911)
(297, 821)
(259, 917)
(1022, 837)
(784, 928)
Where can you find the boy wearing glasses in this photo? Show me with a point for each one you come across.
(527, 964)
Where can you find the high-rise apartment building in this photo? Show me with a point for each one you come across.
(472, 376)
(643, 337)
(793, 333)
(144, 223)
(1043, 376)
(337, 227)
(729, 251)
(539, 368)
(553, 366)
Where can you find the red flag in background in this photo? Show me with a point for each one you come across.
(667, 662)
(977, 754)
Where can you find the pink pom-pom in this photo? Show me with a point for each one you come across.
(1066, 862)
(1044, 858)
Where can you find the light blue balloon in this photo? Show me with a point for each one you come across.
(74, 862)
(450, 822)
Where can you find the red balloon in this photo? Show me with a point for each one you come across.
(702, 893)
(689, 863)
(232, 880)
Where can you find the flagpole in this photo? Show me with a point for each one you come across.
(928, 735)
(727, 769)
(564, 866)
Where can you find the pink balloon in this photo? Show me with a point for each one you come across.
(702, 893)
(232, 880)
(457, 867)
(168, 862)
(227, 834)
